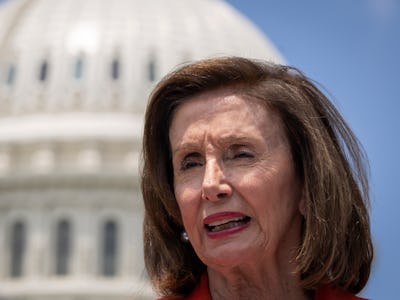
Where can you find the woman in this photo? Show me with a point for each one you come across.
(254, 187)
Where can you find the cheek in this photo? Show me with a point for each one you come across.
(255, 184)
(275, 197)
(187, 199)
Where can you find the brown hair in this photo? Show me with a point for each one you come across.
(336, 244)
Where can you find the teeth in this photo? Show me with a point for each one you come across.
(225, 226)
(226, 221)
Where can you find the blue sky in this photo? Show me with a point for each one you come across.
(352, 48)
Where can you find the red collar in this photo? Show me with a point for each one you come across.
(202, 292)
(328, 293)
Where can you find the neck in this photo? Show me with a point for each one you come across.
(255, 282)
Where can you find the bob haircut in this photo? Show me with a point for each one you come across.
(336, 245)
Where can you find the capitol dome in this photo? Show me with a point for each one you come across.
(74, 80)
(102, 56)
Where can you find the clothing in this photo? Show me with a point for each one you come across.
(328, 293)
(202, 292)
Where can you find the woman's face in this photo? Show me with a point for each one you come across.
(234, 180)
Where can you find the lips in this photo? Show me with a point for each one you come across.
(225, 223)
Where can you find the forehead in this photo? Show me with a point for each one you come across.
(219, 101)
(225, 110)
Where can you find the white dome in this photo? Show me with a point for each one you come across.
(103, 57)
(46, 42)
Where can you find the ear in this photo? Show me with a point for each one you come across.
(303, 205)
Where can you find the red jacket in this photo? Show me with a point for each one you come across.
(202, 292)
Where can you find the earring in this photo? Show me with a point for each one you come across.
(184, 237)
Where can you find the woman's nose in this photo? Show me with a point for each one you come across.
(215, 185)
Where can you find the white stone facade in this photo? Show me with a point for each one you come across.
(74, 81)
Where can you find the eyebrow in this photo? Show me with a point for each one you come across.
(185, 146)
(235, 139)
(229, 139)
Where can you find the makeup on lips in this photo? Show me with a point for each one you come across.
(222, 224)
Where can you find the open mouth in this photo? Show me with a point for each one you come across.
(227, 224)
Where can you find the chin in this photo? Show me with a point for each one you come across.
(230, 257)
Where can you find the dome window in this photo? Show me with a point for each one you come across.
(78, 68)
(109, 248)
(43, 72)
(63, 247)
(115, 69)
(151, 70)
(17, 249)
(11, 73)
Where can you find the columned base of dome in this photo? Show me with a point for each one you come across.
(77, 288)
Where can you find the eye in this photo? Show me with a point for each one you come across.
(191, 160)
(243, 154)
(239, 152)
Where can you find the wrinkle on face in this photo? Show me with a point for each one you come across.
(210, 129)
